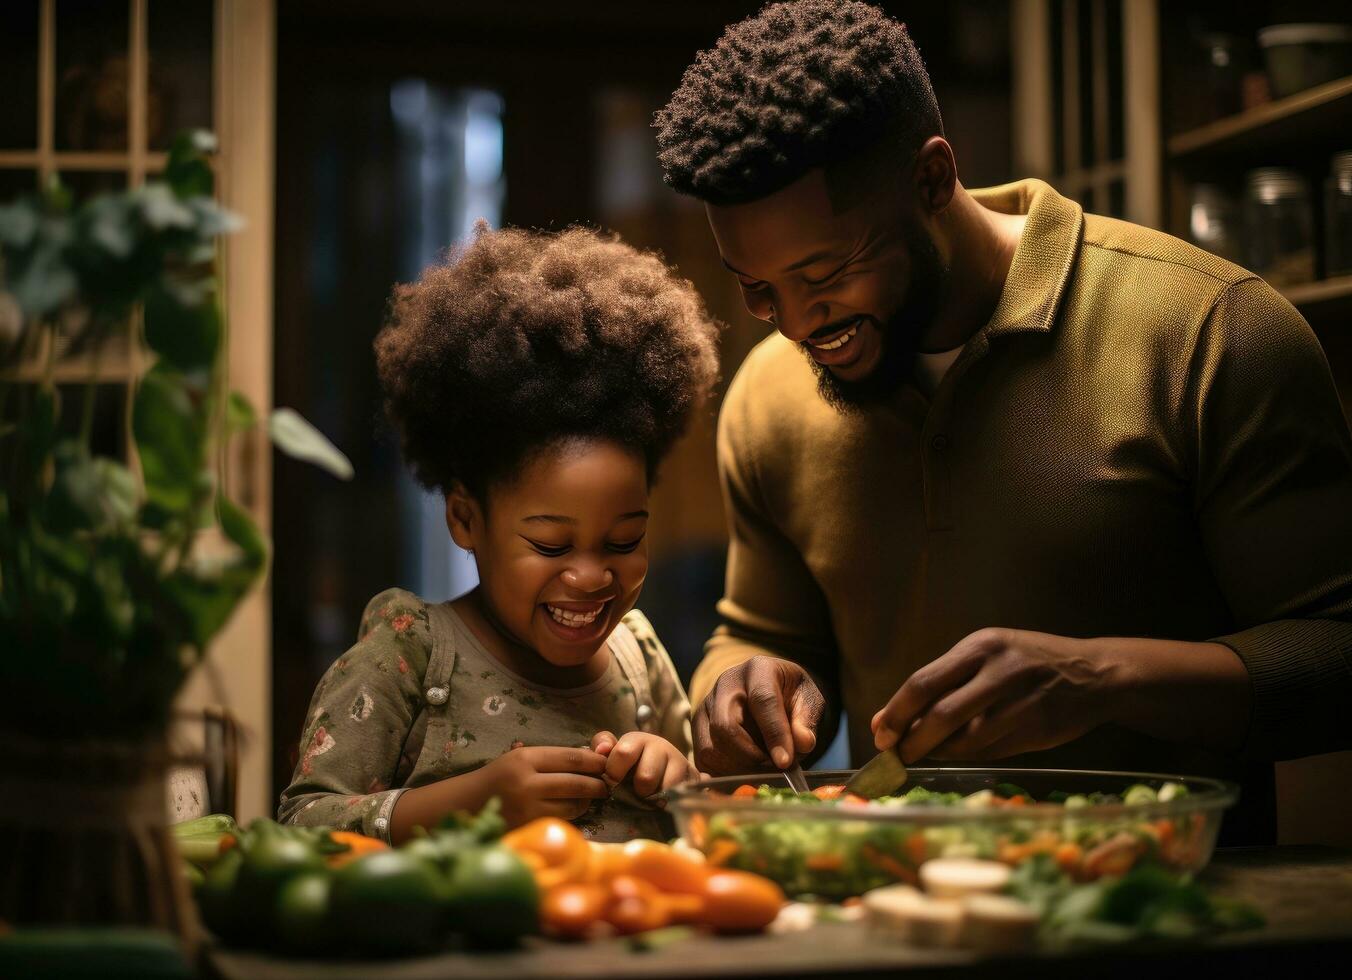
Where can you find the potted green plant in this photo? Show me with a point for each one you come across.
(115, 572)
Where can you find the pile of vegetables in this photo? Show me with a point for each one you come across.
(836, 859)
(590, 889)
(313, 891)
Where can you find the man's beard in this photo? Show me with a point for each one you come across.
(898, 336)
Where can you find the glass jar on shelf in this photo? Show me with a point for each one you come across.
(1338, 216)
(1278, 226)
(1213, 222)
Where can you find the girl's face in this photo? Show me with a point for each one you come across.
(560, 549)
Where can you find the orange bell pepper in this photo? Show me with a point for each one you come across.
(564, 854)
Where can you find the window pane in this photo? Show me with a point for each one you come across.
(180, 69)
(86, 183)
(92, 75)
(19, 75)
(14, 183)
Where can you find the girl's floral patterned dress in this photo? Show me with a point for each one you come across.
(418, 699)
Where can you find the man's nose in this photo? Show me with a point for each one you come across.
(797, 321)
(793, 316)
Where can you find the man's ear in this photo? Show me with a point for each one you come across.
(464, 517)
(936, 175)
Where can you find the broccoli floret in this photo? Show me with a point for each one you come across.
(1139, 794)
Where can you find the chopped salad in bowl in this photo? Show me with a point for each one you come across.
(831, 845)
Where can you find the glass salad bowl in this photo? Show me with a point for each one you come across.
(831, 846)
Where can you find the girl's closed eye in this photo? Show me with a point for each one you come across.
(549, 550)
(558, 551)
(626, 547)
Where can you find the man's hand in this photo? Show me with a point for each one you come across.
(760, 714)
(545, 781)
(998, 693)
(650, 761)
(1002, 692)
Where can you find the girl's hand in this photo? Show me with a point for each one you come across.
(545, 781)
(653, 763)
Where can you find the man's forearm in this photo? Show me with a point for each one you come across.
(1178, 691)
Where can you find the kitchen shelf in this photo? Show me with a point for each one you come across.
(1322, 297)
(1315, 115)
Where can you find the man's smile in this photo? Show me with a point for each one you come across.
(844, 346)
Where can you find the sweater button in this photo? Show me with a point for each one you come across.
(939, 443)
(437, 695)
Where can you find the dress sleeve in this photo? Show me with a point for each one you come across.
(771, 604)
(1273, 485)
(359, 719)
(670, 704)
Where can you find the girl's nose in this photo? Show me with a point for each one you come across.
(587, 577)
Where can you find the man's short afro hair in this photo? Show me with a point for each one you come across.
(800, 85)
(523, 340)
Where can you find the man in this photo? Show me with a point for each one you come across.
(1012, 481)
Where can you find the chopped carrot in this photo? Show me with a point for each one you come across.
(722, 851)
(889, 864)
(917, 849)
(1043, 842)
(746, 789)
(829, 792)
(1164, 831)
(825, 862)
(854, 798)
(227, 842)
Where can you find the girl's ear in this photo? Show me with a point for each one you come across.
(464, 517)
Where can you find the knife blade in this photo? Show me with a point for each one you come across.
(797, 781)
(882, 775)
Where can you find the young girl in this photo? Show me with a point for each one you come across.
(536, 381)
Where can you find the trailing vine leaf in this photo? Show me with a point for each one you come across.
(89, 493)
(207, 591)
(18, 224)
(301, 440)
(40, 278)
(239, 413)
(240, 528)
(108, 224)
(169, 439)
(39, 430)
(187, 172)
(205, 595)
(186, 336)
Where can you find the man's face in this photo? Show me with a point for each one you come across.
(852, 277)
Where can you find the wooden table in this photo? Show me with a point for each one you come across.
(1305, 893)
